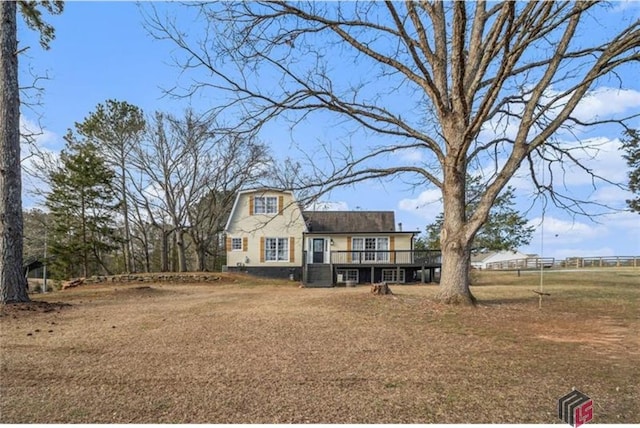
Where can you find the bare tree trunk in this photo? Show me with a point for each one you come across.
(164, 254)
(182, 257)
(128, 262)
(200, 244)
(215, 259)
(173, 261)
(142, 235)
(454, 277)
(201, 257)
(147, 258)
(104, 266)
(13, 284)
(85, 255)
(456, 247)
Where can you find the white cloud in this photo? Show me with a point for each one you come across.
(599, 103)
(601, 156)
(501, 127)
(623, 5)
(427, 205)
(557, 231)
(626, 225)
(606, 159)
(39, 151)
(411, 155)
(616, 234)
(32, 132)
(611, 195)
(604, 102)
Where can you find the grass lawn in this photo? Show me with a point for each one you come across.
(249, 351)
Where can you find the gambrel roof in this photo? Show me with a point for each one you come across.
(349, 221)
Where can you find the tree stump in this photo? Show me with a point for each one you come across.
(380, 289)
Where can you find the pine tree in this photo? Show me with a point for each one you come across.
(116, 127)
(13, 284)
(505, 229)
(82, 206)
(632, 146)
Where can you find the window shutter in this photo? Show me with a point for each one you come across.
(245, 244)
(250, 205)
(262, 249)
(280, 204)
(349, 249)
(392, 247)
(228, 244)
(292, 253)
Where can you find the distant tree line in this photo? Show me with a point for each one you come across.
(136, 194)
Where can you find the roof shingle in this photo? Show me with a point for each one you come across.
(350, 221)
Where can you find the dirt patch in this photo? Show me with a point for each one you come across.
(34, 307)
(606, 335)
(141, 289)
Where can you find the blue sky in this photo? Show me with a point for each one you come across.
(102, 51)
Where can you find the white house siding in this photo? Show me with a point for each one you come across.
(287, 223)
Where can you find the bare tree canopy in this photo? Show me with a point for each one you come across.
(185, 174)
(473, 86)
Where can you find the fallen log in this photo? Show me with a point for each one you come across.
(73, 283)
(540, 293)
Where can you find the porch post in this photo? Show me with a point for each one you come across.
(331, 266)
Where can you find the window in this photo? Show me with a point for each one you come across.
(265, 205)
(391, 275)
(376, 249)
(276, 249)
(236, 244)
(348, 274)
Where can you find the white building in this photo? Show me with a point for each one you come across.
(480, 261)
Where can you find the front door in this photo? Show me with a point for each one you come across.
(318, 250)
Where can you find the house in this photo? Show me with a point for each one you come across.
(499, 259)
(269, 234)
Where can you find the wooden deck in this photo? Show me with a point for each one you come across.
(375, 266)
(416, 258)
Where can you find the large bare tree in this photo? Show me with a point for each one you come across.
(233, 161)
(430, 77)
(13, 284)
(186, 173)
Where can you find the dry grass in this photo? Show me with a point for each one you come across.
(248, 351)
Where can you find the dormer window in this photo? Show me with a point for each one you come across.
(265, 205)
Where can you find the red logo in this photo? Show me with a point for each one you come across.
(583, 413)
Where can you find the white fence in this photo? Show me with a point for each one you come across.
(528, 263)
(611, 261)
(569, 262)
